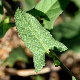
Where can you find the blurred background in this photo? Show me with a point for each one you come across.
(16, 60)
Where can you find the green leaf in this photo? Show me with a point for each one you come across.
(28, 4)
(5, 25)
(56, 63)
(6, 20)
(4, 28)
(67, 30)
(36, 38)
(17, 54)
(1, 10)
(77, 2)
(73, 78)
(38, 77)
(69, 33)
(49, 10)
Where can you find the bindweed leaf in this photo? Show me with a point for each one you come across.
(36, 38)
(48, 11)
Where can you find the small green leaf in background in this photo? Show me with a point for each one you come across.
(73, 78)
(1, 30)
(1, 10)
(4, 28)
(69, 33)
(5, 25)
(77, 2)
(36, 38)
(49, 10)
(38, 77)
(56, 63)
(67, 29)
(6, 20)
(28, 4)
(17, 54)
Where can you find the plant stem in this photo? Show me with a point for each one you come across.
(11, 12)
(61, 64)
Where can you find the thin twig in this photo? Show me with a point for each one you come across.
(26, 72)
(61, 64)
(11, 12)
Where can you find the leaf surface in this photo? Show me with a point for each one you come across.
(36, 38)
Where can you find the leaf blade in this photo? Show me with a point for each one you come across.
(35, 37)
(49, 10)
